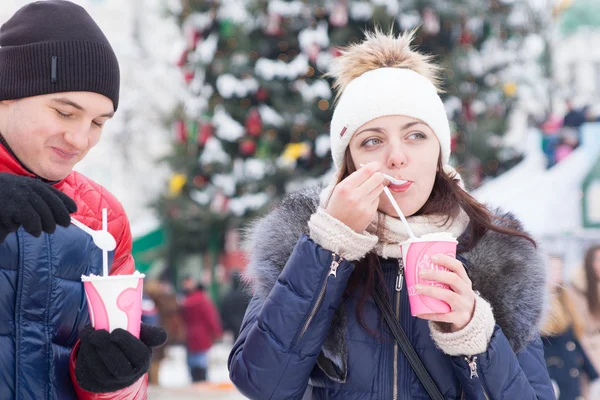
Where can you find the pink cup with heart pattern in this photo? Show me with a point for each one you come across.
(115, 301)
(416, 254)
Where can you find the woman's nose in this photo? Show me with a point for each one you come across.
(396, 156)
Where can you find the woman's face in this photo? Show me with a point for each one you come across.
(555, 277)
(596, 263)
(407, 150)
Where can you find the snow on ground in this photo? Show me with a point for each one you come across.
(175, 380)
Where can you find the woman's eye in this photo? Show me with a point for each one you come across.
(417, 135)
(371, 142)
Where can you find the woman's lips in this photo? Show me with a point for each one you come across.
(400, 188)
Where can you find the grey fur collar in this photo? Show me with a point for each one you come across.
(507, 271)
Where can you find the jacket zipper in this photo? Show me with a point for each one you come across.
(472, 362)
(335, 263)
(399, 285)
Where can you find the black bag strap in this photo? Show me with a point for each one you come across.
(383, 303)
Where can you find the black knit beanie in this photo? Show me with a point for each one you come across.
(55, 46)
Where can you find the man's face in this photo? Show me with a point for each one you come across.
(51, 133)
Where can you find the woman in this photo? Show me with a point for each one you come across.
(312, 330)
(567, 362)
(585, 293)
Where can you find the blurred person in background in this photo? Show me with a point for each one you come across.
(151, 316)
(574, 117)
(567, 143)
(59, 86)
(568, 365)
(202, 325)
(318, 261)
(233, 306)
(551, 138)
(169, 310)
(585, 294)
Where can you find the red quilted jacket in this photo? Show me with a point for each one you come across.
(202, 322)
(91, 198)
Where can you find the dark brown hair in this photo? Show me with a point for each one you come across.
(592, 281)
(446, 198)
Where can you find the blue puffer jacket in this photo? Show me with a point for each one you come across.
(41, 278)
(301, 337)
(42, 301)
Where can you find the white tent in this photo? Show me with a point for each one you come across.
(548, 201)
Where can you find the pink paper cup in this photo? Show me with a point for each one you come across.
(115, 301)
(417, 256)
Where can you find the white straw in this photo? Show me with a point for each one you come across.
(400, 214)
(104, 251)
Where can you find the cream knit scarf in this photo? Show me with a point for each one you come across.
(391, 231)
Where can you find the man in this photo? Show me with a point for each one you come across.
(233, 306)
(203, 327)
(59, 85)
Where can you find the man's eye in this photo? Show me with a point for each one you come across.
(62, 115)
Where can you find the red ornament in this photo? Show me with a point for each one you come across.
(206, 132)
(192, 36)
(199, 181)
(262, 94)
(247, 147)
(431, 21)
(188, 76)
(466, 38)
(196, 37)
(467, 111)
(181, 133)
(339, 14)
(335, 51)
(313, 52)
(254, 125)
(273, 27)
(183, 59)
(220, 203)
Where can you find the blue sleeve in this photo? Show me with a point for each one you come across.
(499, 373)
(282, 335)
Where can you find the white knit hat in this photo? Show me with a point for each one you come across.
(382, 76)
(387, 91)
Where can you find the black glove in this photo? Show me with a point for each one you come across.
(33, 204)
(108, 362)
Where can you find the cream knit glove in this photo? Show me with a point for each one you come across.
(472, 339)
(332, 234)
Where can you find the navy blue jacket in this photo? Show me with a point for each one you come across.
(42, 301)
(295, 343)
(42, 310)
(566, 360)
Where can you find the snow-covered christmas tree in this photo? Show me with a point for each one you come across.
(255, 121)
